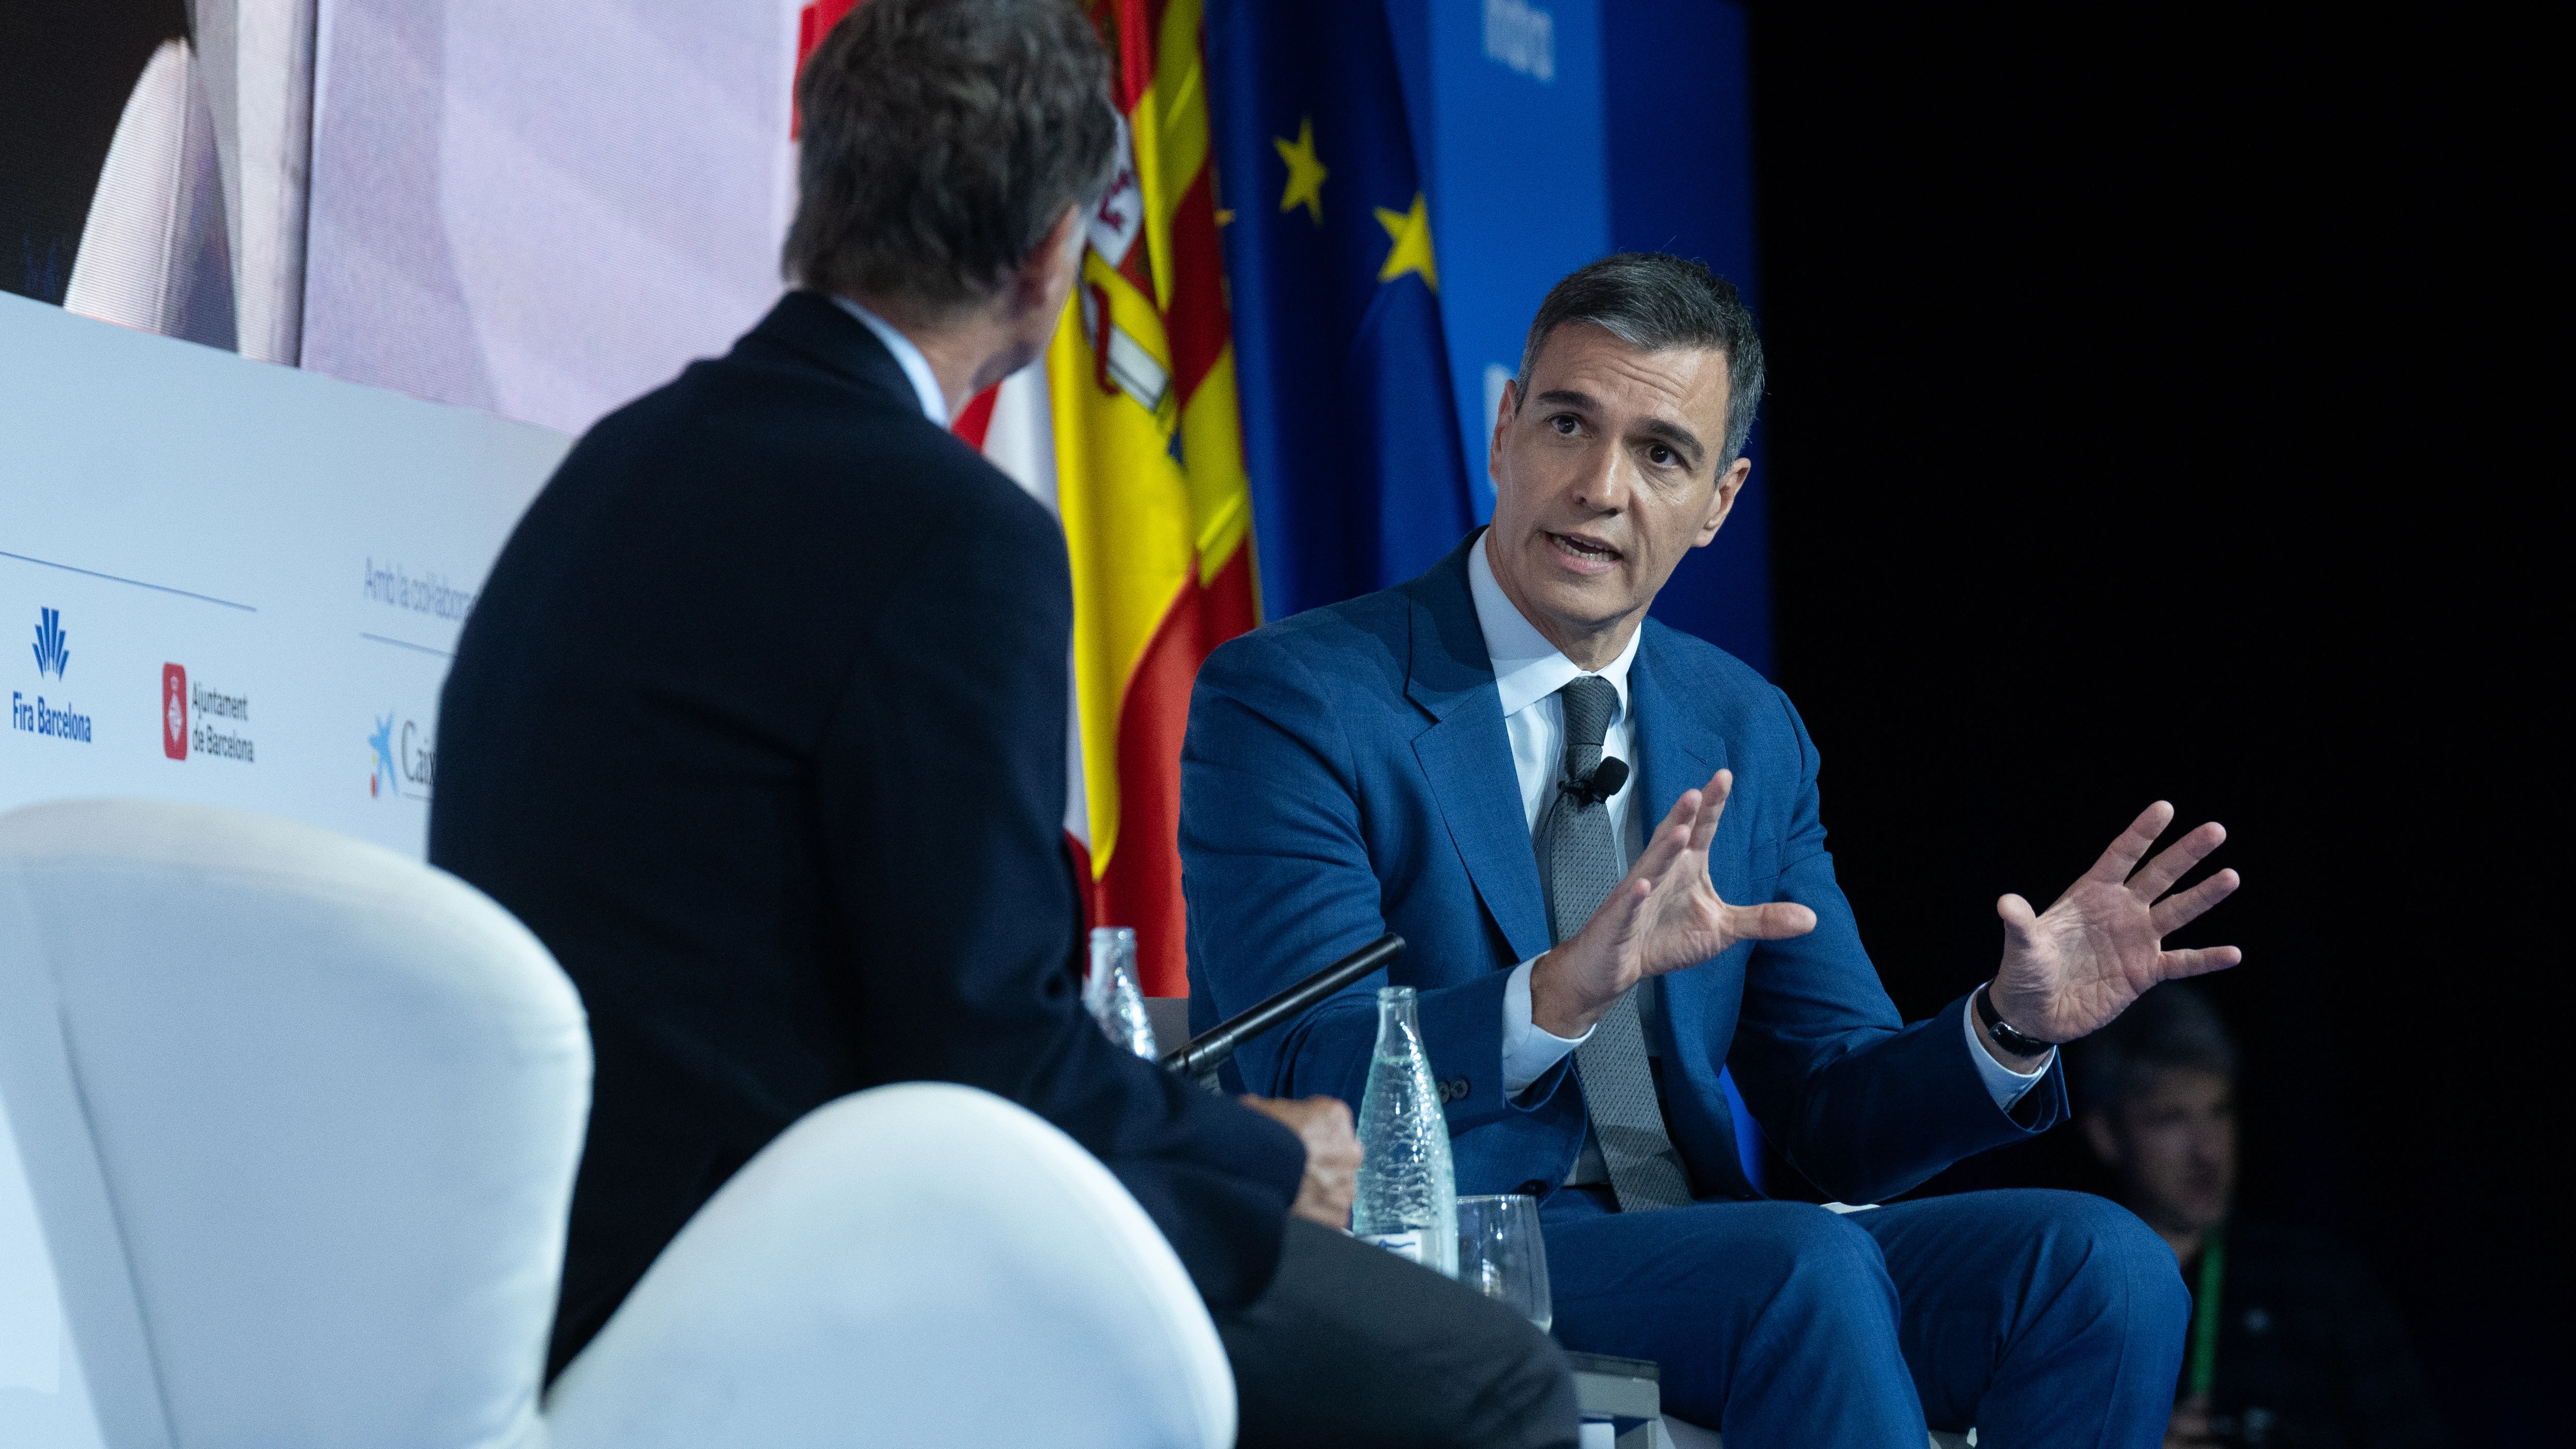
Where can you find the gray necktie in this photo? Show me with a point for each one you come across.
(1582, 861)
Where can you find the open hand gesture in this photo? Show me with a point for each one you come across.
(2071, 968)
(1665, 915)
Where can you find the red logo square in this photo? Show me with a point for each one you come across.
(174, 711)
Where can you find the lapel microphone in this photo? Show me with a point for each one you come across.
(1606, 779)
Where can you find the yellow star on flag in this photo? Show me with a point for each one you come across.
(1411, 233)
(1305, 173)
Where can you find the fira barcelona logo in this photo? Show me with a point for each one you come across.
(41, 716)
(52, 652)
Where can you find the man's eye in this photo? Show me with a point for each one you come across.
(1659, 455)
(1565, 424)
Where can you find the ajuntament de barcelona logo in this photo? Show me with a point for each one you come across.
(193, 719)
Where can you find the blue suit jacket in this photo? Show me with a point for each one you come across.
(1346, 773)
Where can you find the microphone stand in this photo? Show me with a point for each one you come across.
(1201, 1057)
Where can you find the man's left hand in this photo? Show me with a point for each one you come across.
(2071, 968)
(1323, 1126)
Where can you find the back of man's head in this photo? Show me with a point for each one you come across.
(942, 139)
(2171, 1028)
(1654, 301)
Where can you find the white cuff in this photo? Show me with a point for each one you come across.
(1529, 1049)
(2003, 1084)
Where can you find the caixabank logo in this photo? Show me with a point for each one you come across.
(402, 760)
(38, 715)
(196, 719)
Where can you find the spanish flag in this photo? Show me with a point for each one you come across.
(1149, 476)
(1129, 431)
(1132, 433)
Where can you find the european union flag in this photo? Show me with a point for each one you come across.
(1348, 429)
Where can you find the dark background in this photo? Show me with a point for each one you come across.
(2144, 422)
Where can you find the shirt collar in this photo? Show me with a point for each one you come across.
(916, 368)
(1527, 668)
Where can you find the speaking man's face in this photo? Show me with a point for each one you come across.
(1605, 474)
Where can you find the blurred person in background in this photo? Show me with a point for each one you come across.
(2292, 1344)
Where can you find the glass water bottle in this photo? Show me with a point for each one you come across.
(1408, 1195)
(1110, 991)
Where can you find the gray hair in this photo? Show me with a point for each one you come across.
(2173, 1027)
(1654, 301)
(942, 138)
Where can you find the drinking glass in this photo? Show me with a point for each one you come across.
(1501, 1254)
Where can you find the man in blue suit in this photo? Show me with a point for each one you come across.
(1452, 760)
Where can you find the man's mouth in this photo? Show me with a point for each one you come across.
(1588, 554)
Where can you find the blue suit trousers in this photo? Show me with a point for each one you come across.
(2038, 1317)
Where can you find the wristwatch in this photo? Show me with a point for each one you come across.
(2002, 1032)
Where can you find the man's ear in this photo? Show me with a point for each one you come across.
(1722, 501)
(1502, 425)
(2101, 1138)
(1054, 263)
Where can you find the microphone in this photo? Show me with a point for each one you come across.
(1606, 779)
(1214, 1047)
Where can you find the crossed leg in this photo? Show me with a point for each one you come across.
(2042, 1317)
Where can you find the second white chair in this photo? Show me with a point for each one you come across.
(301, 1118)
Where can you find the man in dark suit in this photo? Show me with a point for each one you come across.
(1471, 760)
(760, 725)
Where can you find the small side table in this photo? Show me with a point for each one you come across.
(1622, 1401)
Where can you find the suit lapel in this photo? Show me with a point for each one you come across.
(1466, 755)
(1676, 750)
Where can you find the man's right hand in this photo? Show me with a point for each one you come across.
(1664, 916)
(1332, 1155)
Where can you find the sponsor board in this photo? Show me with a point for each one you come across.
(269, 566)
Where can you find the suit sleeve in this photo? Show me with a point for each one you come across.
(1865, 1106)
(942, 783)
(1282, 882)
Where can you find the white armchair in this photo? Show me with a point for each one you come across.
(301, 1117)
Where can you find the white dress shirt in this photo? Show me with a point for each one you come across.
(916, 367)
(1528, 671)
